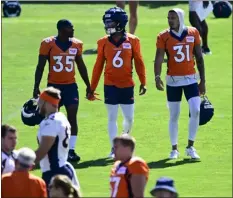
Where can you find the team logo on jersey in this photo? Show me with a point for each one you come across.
(126, 46)
(190, 39)
(73, 51)
(121, 170)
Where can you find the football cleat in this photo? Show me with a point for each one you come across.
(191, 151)
(111, 155)
(174, 154)
(73, 157)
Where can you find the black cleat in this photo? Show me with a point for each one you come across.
(72, 156)
(206, 51)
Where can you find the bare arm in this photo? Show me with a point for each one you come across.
(82, 70)
(138, 183)
(158, 61)
(200, 62)
(39, 73)
(44, 147)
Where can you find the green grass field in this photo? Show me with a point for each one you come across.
(211, 177)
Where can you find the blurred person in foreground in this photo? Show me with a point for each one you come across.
(21, 183)
(129, 174)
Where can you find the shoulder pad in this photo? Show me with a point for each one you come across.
(75, 40)
(48, 39)
(131, 36)
(163, 32)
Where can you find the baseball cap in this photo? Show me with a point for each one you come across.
(63, 23)
(164, 183)
(26, 156)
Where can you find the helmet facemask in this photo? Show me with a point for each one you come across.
(112, 27)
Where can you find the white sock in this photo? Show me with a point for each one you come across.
(128, 113)
(194, 108)
(174, 108)
(73, 139)
(112, 122)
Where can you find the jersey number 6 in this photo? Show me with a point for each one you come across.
(182, 55)
(59, 65)
(117, 60)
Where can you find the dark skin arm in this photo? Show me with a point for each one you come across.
(83, 73)
(200, 67)
(158, 68)
(38, 74)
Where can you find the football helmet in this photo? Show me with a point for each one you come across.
(115, 20)
(206, 111)
(11, 9)
(30, 113)
(222, 9)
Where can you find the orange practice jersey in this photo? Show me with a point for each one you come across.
(121, 173)
(179, 51)
(119, 67)
(22, 184)
(61, 63)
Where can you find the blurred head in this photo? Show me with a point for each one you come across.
(61, 186)
(164, 188)
(49, 101)
(25, 159)
(123, 147)
(164, 194)
(173, 20)
(9, 138)
(65, 28)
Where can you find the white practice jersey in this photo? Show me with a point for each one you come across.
(8, 162)
(58, 126)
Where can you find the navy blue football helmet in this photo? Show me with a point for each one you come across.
(206, 111)
(30, 113)
(11, 9)
(115, 20)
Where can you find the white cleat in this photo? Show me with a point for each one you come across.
(111, 155)
(174, 154)
(192, 153)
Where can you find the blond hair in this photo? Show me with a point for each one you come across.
(64, 183)
(126, 140)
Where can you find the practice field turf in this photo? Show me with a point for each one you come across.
(211, 177)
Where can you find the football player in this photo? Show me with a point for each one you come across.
(133, 19)
(129, 174)
(62, 51)
(9, 141)
(53, 138)
(116, 52)
(194, 8)
(181, 44)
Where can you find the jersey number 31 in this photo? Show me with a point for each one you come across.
(181, 55)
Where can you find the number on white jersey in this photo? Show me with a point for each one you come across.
(182, 55)
(65, 141)
(116, 181)
(59, 66)
(117, 60)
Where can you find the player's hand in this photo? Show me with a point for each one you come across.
(202, 89)
(90, 95)
(142, 90)
(36, 92)
(205, 4)
(159, 84)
